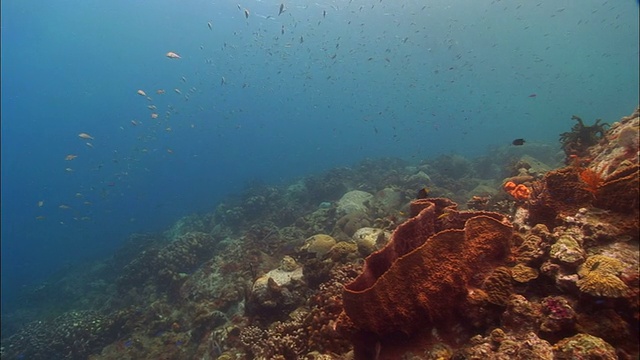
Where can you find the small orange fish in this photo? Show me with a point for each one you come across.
(85, 136)
(172, 55)
(70, 157)
(142, 93)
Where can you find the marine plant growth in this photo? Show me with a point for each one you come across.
(581, 137)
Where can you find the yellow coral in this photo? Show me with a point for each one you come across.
(599, 277)
(319, 244)
(342, 251)
(603, 285)
(498, 286)
(602, 264)
(522, 273)
(531, 248)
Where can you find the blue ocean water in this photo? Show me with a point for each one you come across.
(271, 97)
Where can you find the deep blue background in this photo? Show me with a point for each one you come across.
(364, 79)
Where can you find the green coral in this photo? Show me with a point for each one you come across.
(499, 286)
(583, 346)
(567, 250)
(522, 273)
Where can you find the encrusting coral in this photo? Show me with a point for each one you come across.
(583, 346)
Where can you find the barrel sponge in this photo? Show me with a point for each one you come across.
(422, 277)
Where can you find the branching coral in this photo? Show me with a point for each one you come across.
(167, 267)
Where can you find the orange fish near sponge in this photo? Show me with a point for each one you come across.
(519, 192)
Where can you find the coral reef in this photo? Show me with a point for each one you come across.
(308, 330)
(343, 265)
(583, 346)
(501, 345)
(168, 266)
(73, 335)
(559, 315)
(276, 293)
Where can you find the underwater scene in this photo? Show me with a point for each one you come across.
(330, 179)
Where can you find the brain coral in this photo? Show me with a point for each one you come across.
(522, 273)
(499, 286)
(318, 244)
(598, 276)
